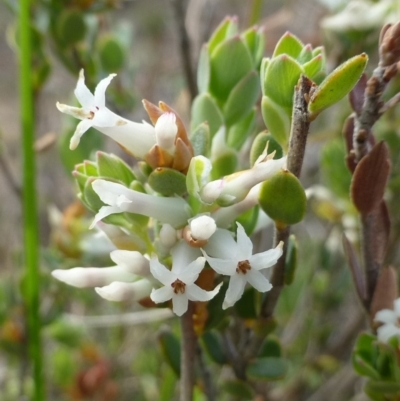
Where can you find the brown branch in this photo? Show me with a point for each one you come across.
(188, 351)
(185, 47)
(209, 389)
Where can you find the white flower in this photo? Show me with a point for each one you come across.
(391, 322)
(122, 291)
(173, 211)
(166, 130)
(243, 266)
(137, 138)
(179, 282)
(235, 187)
(129, 264)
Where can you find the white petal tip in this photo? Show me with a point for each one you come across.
(106, 294)
(74, 142)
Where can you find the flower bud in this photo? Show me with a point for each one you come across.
(166, 130)
(202, 227)
(389, 49)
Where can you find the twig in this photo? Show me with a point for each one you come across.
(209, 389)
(185, 48)
(188, 350)
(297, 147)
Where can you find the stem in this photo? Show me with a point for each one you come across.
(31, 280)
(185, 47)
(188, 351)
(209, 389)
(297, 147)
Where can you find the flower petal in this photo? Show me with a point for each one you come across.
(81, 128)
(266, 259)
(179, 304)
(182, 255)
(191, 272)
(222, 266)
(221, 245)
(131, 261)
(396, 305)
(161, 273)
(85, 277)
(162, 294)
(100, 91)
(258, 280)
(106, 118)
(244, 243)
(118, 291)
(387, 331)
(235, 290)
(104, 212)
(82, 93)
(386, 316)
(195, 293)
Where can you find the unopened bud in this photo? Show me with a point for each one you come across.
(389, 48)
(203, 227)
(166, 130)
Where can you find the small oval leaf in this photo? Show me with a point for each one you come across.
(167, 181)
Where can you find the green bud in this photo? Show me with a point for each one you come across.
(337, 84)
(288, 44)
(71, 27)
(238, 133)
(112, 54)
(259, 144)
(283, 198)
(197, 175)
(111, 166)
(241, 99)
(200, 140)
(276, 120)
(205, 109)
(230, 62)
(167, 181)
(281, 77)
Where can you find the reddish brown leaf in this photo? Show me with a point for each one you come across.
(370, 178)
(355, 268)
(385, 292)
(356, 96)
(379, 242)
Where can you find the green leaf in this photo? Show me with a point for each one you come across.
(238, 133)
(198, 175)
(203, 70)
(291, 260)
(238, 389)
(170, 346)
(305, 54)
(283, 198)
(71, 27)
(242, 98)
(314, 66)
(167, 181)
(276, 120)
(111, 166)
(268, 368)
(91, 198)
(263, 71)
(225, 30)
(248, 219)
(246, 306)
(212, 343)
(65, 333)
(225, 164)
(281, 77)
(288, 44)
(271, 347)
(230, 62)
(259, 144)
(255, 41)
(111, 53)
(90, 168)
(383, 387)
(337, 84)
(168, 385)
(200, 139)
(205, 109)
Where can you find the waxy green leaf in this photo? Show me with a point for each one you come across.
(337, 84)
(112, 54)
(238, 133)
(268, 368)
(203, 70)
(255, 41)
(205, 109)
(111, 166)
(225, 30)
(259, 144)
(167, 181)
(291, 260)
(288, 44)
(276, 120)
(200, 140)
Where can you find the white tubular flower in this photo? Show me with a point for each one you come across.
(391, 322)
(122, 291)
(86, 277)
(234, 188)
(129, 265)
(137, 138)
(166, 130)
(202, 227)
(174, 211)
(244, 267)
(179, 282)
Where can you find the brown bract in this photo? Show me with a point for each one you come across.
(389, 45)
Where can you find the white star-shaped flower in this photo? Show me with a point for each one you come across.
(391, 322)
(137, 138)
(244, 267)
(179, 281)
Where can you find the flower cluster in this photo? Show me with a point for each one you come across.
(178, 220)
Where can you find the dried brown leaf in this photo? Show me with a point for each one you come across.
(356, 96)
